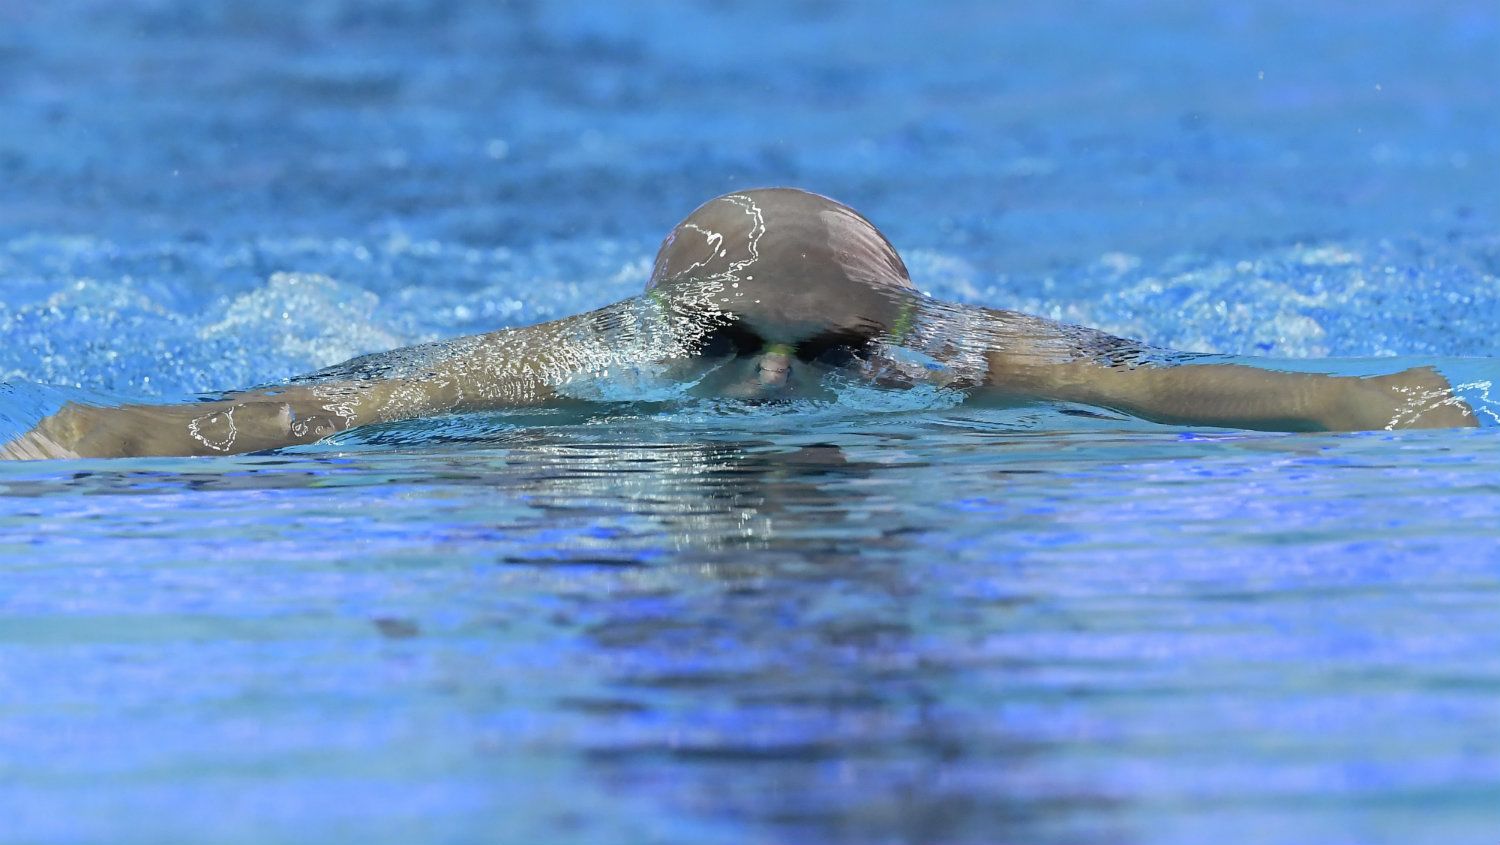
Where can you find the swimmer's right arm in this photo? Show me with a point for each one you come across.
(510, 368)
(247, 421)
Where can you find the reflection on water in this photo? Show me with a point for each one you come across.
(912, 629)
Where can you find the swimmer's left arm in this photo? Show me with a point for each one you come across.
(1227, 395)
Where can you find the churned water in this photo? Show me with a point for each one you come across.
(854, 624)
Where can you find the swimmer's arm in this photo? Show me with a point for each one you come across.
(511, 368)
(248, 421)
(245, 421)
(1231, 395)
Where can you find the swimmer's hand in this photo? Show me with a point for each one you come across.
(1416, 398)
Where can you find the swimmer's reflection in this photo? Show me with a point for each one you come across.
(730, 505)
(763, 295)
(795, 684)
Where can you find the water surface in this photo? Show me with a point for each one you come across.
(857, 625)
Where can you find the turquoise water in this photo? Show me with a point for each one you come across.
(858, 624)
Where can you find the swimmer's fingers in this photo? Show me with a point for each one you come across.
(54, 438)
(34, 446)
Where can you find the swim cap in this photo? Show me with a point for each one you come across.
(788, 263)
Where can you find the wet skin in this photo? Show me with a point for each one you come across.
(760, 296)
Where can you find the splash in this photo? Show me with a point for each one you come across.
(645, 352)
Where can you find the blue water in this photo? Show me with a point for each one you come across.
(857, 626)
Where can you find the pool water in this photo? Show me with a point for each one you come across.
(859, 624)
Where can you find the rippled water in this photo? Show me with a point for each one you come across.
(914, 631)
(704, 625)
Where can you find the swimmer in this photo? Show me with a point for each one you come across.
(760, 295)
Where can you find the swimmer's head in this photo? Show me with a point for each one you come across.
(798, 275)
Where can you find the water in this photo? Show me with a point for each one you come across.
(853, 625)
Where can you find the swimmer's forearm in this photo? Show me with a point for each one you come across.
(251, 421)
(1237, 396)
(511, 368)
(1221, 395)
(259, 420)
(247, 422)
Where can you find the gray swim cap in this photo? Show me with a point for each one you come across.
(788, 263)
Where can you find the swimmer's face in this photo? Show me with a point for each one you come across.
(794, 285)
(737, 362)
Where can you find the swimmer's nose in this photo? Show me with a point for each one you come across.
(775, 366)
